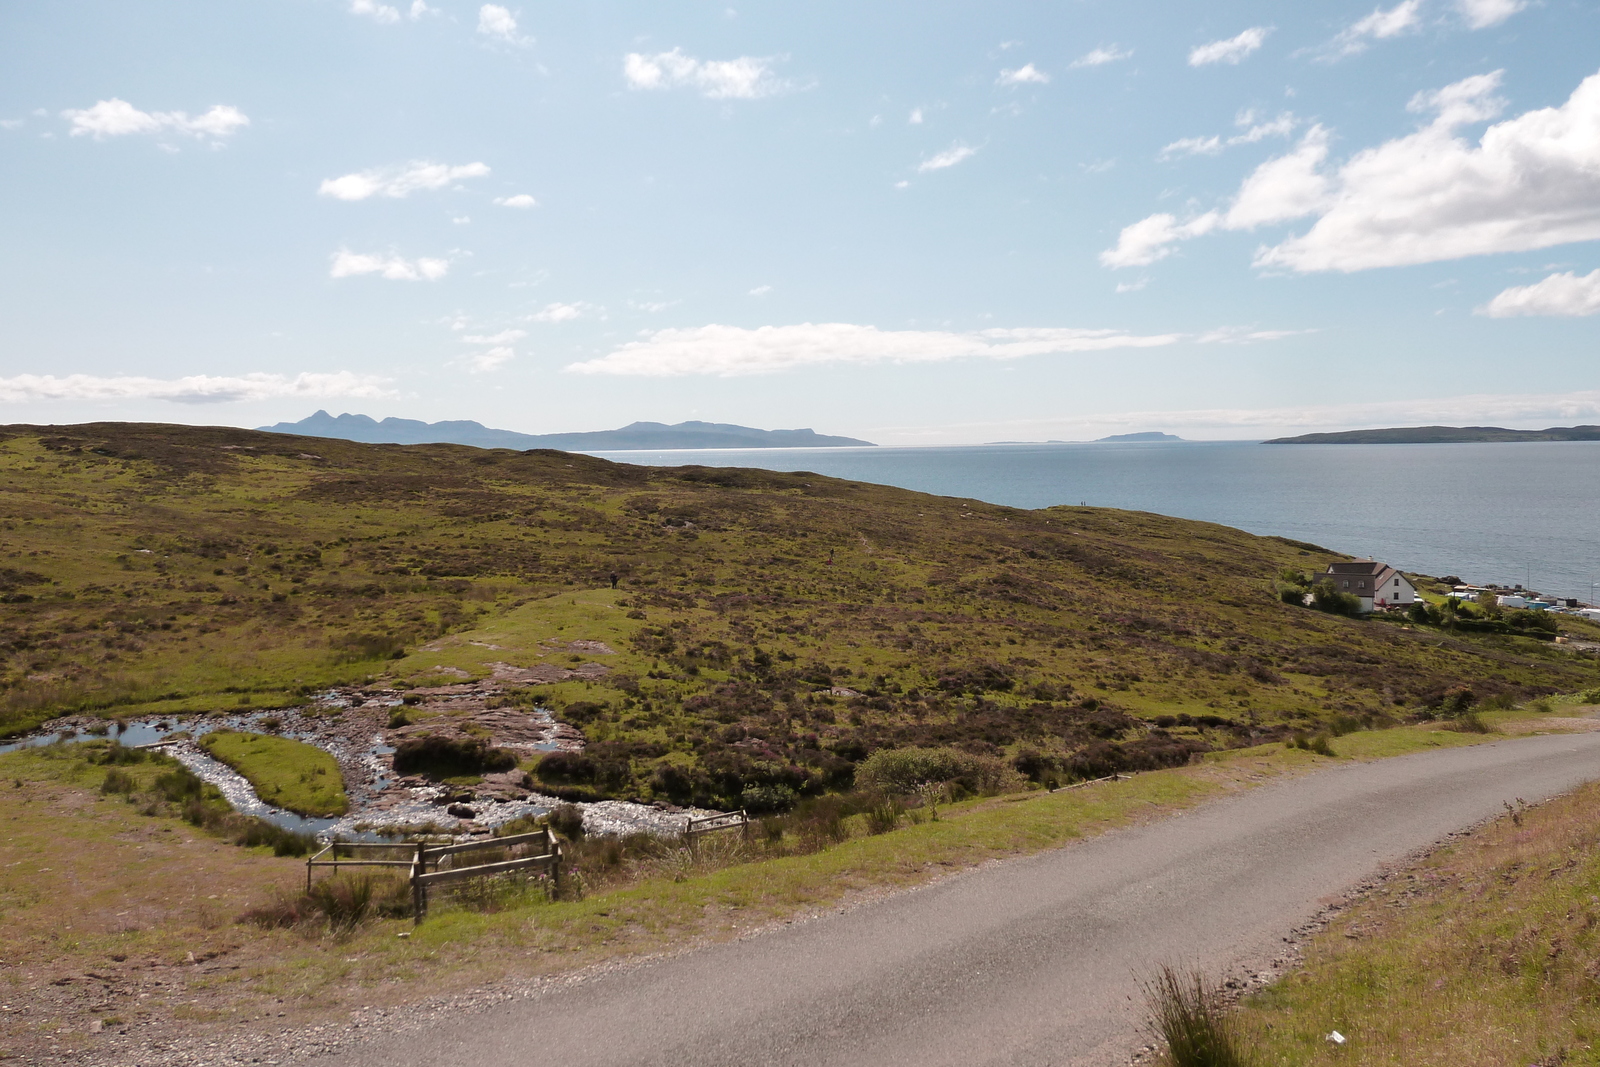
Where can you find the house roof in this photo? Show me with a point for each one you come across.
(1362, 567)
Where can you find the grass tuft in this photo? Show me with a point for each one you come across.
(1190, 1015)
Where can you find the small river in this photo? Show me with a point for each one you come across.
(392, 814)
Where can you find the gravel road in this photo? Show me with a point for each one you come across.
(1034, 961)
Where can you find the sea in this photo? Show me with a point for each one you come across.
(1524, 513)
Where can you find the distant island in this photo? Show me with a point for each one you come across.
(636, 435)
(1148, 435)
(1418, 435)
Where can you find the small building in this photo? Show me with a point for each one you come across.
(1511, 600)
(1376, 585)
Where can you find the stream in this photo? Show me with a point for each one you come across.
(379, 807)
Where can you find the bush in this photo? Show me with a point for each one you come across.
(884, 816)
(764, 799)
(118, 781)
(903, 771)
(1324, 597)
(567, 820)
(566, 768)
(1317, 743)
(1190, 1015)
(116, 754)
(344, 900)
(1470, 722)
(443, 757)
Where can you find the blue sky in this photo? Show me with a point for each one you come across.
(915, 223)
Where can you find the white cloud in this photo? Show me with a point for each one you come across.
(1192, 146)
(1529, 182)
(948, 158)
(916, 117)
(521, 200)
(744, 78)
(1288, 187)
(1232, 50)
(504, 337)
(399, 181)
(490, 360)
(419, 9)
(1132, 287)
(1099, 57)
(559, 313)
(1481, 14)
(1151, 239)
(347, 264)
(1282, 126)
(12, 124)
(1027, 74)
(118, 118)
(730, 351)
(498, 22)
(761, 290)
(1380, 25)
(1566, 294)
(376, 11)
(195, 389)
(1254, 131)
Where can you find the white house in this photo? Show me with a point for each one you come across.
(1378, 585)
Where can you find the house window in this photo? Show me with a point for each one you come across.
(1347, 583)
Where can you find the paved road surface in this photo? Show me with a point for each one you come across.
(1034, 961)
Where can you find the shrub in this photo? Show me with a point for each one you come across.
(118, 781)
(902, 771)
(443, 757)
(117, 754)
(1035, 765)
(1324, 597)
(1470, 722)
(884, 816)
(1189, 1014)
(1317, 743)
(567, 820)
(566, 768)
(762, 799)
(356, 647)
(1592, 697)
(344, 900)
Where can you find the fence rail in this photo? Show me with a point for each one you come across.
(421, 856)
(724, 820)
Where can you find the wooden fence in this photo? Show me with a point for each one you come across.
(422, 861)
(707, 824)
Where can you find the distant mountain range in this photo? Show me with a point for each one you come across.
(638, 435)
(1147, 435)
(1418, 435)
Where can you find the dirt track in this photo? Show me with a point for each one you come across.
(1028, 962)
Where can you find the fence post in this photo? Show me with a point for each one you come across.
(555, 864)
(419, 892)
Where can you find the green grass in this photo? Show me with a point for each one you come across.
(289, 774)
(171, 570)
(1481, 955)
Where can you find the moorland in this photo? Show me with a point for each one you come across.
(719, 636)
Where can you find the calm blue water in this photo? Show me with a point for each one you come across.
(1525, 513)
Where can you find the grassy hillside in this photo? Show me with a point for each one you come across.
(766, 630)
(1481, 955)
